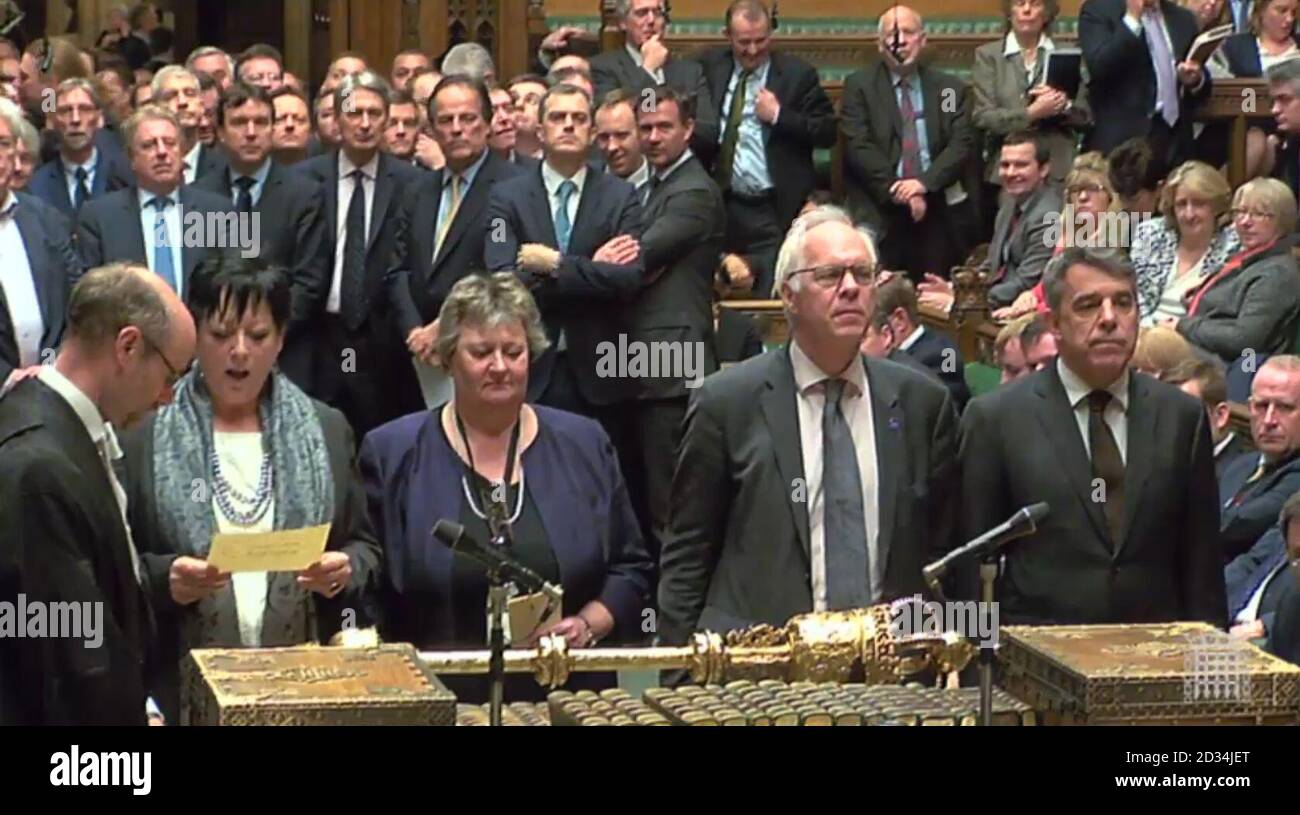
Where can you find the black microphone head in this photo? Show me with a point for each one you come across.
(448, 532)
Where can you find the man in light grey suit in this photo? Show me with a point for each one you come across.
(643, 62)
(811, 478)
(1023, 233)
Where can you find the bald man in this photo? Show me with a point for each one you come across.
(907, 158)
(128, 340)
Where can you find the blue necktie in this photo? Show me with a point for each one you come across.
(163, 263)
(563, 226)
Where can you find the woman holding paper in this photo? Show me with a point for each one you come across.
(242, 450)
(1271, 40)
(488, 460)
(1009, 95)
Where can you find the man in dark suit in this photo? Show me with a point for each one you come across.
(443, 224)
(619, 141)
(1284, 90)
(572, 235)
(1123, 460)
(64, 512)
(1031, 211)
(1140, 82)
(286, 208)
(809, 478)
(81, 171)
(909, 144)
(360, 365)
(1204, 380)
(896, 298)
(39, 269)
(644, 62)
(178, 89)
(1255, 486)
(1258, 580)
(763, 159)
(159, 223)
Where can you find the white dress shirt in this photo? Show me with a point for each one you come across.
(370, 171)
(906, 345)
(1011, 48)
(172, 217)
(855, 404)
(1116, 415)
(640, 63)
(682, 159)
(553, 180)
(19, 288)
(101, 433)
(1223, 444)
(639, 178)
(191, 160)
(240, 455)
(1251, 611)
(70, 175)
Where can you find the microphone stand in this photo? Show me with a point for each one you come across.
(988, 574)
(498, 595)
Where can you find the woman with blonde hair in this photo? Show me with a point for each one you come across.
(1160, 350)
(1190, 241)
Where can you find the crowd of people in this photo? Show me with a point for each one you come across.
(235, 304)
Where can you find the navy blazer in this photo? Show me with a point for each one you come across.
(55, 268)
(109, 229)
(412, 479)
(578, 298)
(1244, 519)
(1244, 574)
(50, 184)
(937, 353)
(1242, 52)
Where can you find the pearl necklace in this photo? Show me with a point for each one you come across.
(226, 495)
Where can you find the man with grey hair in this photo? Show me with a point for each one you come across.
(64, 512)
(215, 63)
(1124, 461)
(811, 478)
(1284, 90)
(178, 89)
(470, 59)
(361, 365)
(80, 171)
(644, 62)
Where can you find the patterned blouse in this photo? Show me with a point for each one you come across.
(1155, 249)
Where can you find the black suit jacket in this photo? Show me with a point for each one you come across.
(418, 282)
(1248, 571)
(736, 338)
(940, 355)
(211, 160)
(64, 541)
(682, 241)
(292, 236)
(1284, 637)
(584, 297)
(109, 229)
(1122, 83)
(1021, 445)
(873, 129)
(1246, 512)
(392, 178)
(737, 548)
(48, 182)
(1239, 446)
(616, 69)
(55, 268)
(350, 533)
(807, 122)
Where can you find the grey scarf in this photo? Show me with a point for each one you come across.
(302, 483)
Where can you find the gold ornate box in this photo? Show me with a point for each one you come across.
(1173, 673)
(312, 686)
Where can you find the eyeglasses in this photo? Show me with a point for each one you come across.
(1075, 190)
(173, 376)
(1253, 214)
(831, 276)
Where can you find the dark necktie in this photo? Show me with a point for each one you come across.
(911, 143)
(354, 254)
(83, 192)
(244, 199)
(163, 263)
(563, 223)
(848, 563)
(727, 157)
(1107, 463)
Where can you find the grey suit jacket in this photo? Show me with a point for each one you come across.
(1254, 307)
(616, 69)
(999, 108)
(1028, 247)
(737, 550)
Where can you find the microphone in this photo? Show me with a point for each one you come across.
(1024, 522)
(500, 565)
